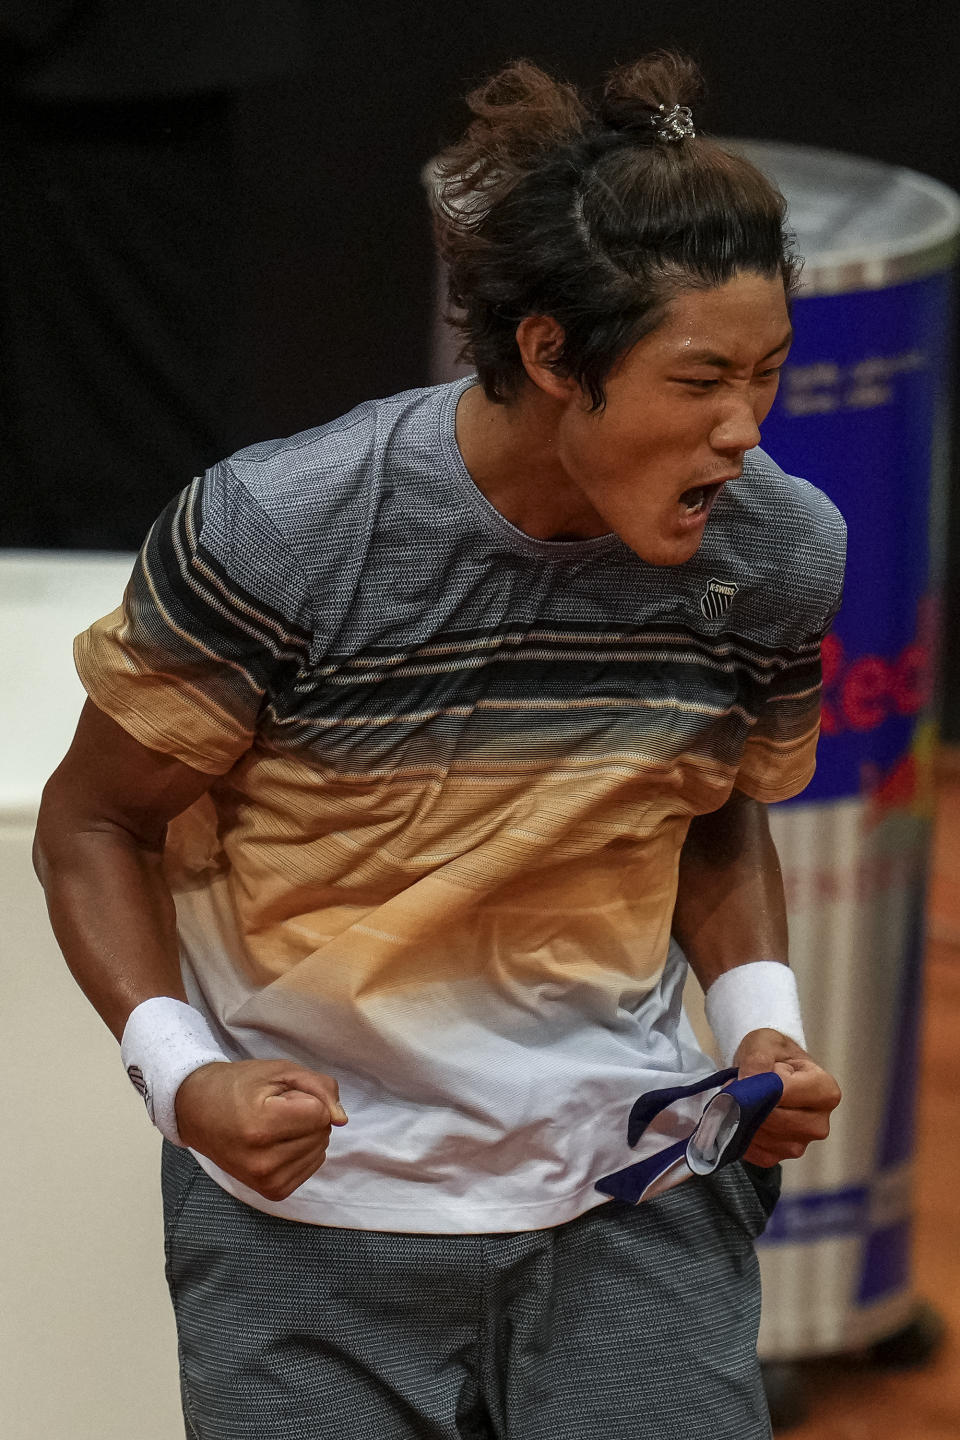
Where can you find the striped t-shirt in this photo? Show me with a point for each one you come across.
(454, 767)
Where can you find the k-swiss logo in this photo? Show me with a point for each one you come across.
(717, 598)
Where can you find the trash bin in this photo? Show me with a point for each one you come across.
(863, 412)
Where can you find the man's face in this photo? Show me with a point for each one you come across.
(683, 407)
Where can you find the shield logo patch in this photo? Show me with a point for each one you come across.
(717, 598)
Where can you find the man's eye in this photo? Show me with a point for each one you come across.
(700, 384)
(773, 374)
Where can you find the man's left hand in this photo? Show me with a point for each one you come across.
(809, 1096)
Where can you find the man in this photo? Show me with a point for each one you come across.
(414, 739)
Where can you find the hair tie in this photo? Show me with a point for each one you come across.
(673, 125)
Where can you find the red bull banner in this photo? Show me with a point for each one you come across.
(863, 412)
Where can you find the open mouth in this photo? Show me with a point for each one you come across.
(699, 498)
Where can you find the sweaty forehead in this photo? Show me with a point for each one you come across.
(728, 358)
(740, 322)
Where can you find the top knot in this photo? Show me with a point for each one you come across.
(652, 98)
(520, 117)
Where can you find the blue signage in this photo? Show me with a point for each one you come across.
(861, 411)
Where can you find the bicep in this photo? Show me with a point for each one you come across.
(109, 779)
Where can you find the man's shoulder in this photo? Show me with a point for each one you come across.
(792, 510)
(805, 501)
(784, 541)
(307, 513)
(297, 478)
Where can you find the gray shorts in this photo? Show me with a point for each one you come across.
(626, 1324)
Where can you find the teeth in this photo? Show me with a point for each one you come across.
(693, 501)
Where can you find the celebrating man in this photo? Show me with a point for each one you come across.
(425, 750)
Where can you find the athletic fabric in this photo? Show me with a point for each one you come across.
(456, 766)
(630, 1323)
(733, 1112)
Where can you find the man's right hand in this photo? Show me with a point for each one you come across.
(265, 1122)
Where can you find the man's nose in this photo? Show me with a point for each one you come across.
(736, 430)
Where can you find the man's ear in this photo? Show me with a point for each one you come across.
(540, 339)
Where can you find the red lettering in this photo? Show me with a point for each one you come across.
(865, 694)
(911, 679)
(831, 659)
(827, 887)
(792, 890)
(861, 694)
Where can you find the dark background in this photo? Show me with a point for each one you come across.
(211, 221)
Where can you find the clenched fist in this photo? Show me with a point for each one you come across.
(809, 1095)
(266, 1122)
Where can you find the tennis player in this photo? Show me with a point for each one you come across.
(423, 754)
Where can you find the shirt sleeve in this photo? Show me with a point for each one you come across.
(779, 759)
(214, 621)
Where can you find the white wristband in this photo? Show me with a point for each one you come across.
(761, 995)
(163, 1042)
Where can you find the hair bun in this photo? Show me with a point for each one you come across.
(521, 113)
(633, 94)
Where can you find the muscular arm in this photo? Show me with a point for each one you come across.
(730, 906)
(98, 854)
(730, 910)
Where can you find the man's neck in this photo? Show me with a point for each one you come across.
(511, 454)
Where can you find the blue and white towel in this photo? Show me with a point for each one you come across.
(728, 1119)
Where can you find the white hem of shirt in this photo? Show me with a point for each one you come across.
(453, 1215)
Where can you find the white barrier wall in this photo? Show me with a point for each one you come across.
(87, 1340)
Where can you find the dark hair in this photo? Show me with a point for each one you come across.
(548, 206)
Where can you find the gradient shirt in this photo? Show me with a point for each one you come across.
(453, 768)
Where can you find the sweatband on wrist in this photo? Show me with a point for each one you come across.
(163, 1042)
(761, 995)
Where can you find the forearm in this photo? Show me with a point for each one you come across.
(266, 1122)
(730, 906)
(112, 914)
(99, 855)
